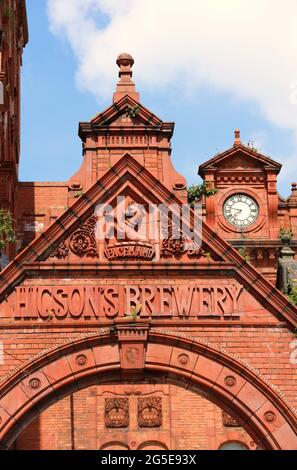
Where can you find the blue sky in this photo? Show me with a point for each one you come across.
(56, 96)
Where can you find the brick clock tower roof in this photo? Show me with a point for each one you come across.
(125, 326)
(238, 147)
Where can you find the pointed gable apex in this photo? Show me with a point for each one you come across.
(139, 117)
(249, 157)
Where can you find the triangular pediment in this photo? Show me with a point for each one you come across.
(124, 112)
(239, 157)
(69, 246)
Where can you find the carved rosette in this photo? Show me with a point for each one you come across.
(149, 412)
(116, 412)
(81, 243)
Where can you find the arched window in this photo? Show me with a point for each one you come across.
(233, 446)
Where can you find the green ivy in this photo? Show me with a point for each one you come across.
(195, 192)
(134, 312)
(243, 251)
(285, 232)
(133, 112)
(292, 294)
(78, 194)
(7, 234)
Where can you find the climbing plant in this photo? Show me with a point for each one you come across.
(292, 294)
(7, 234)
(286, 233)
(243, 251)
(195, 192)
(133, 112)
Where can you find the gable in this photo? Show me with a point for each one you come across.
(239, 157)
(212, 275)
(127, 110)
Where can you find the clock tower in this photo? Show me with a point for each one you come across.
(247, 209)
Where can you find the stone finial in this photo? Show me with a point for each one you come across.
(125, 85)
(125, 63)
(287, 265)
(293, 196)
(237, 140)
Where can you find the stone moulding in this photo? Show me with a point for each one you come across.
(77, 341)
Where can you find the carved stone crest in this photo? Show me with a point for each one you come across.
(116, 412)
(126, 237)
(149, 412)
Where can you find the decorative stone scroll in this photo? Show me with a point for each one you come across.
(116, 413)
(149, 412)
(130, 251)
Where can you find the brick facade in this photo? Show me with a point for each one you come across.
(136, 342)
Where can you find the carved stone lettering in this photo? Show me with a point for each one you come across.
(130, 250)
(109, 302)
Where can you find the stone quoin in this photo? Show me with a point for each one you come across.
(115, 339)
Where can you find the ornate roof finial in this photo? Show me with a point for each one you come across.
(125, 85)
(237, 140)
(293, 196)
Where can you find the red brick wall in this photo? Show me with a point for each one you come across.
(190, 421)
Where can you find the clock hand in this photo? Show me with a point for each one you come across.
(237, 210)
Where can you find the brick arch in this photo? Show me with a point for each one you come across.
(114, 445)
(189, 362)
(153, 445)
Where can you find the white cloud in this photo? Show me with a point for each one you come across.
(246, 47)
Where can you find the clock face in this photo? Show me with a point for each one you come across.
(241, 210)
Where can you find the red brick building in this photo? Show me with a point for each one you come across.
(13, 37)
(136, 342)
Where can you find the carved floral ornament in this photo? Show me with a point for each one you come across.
(81, 243)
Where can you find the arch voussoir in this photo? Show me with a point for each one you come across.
(194, 364)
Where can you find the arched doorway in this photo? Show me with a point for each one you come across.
(192, 363)
(152, 414)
